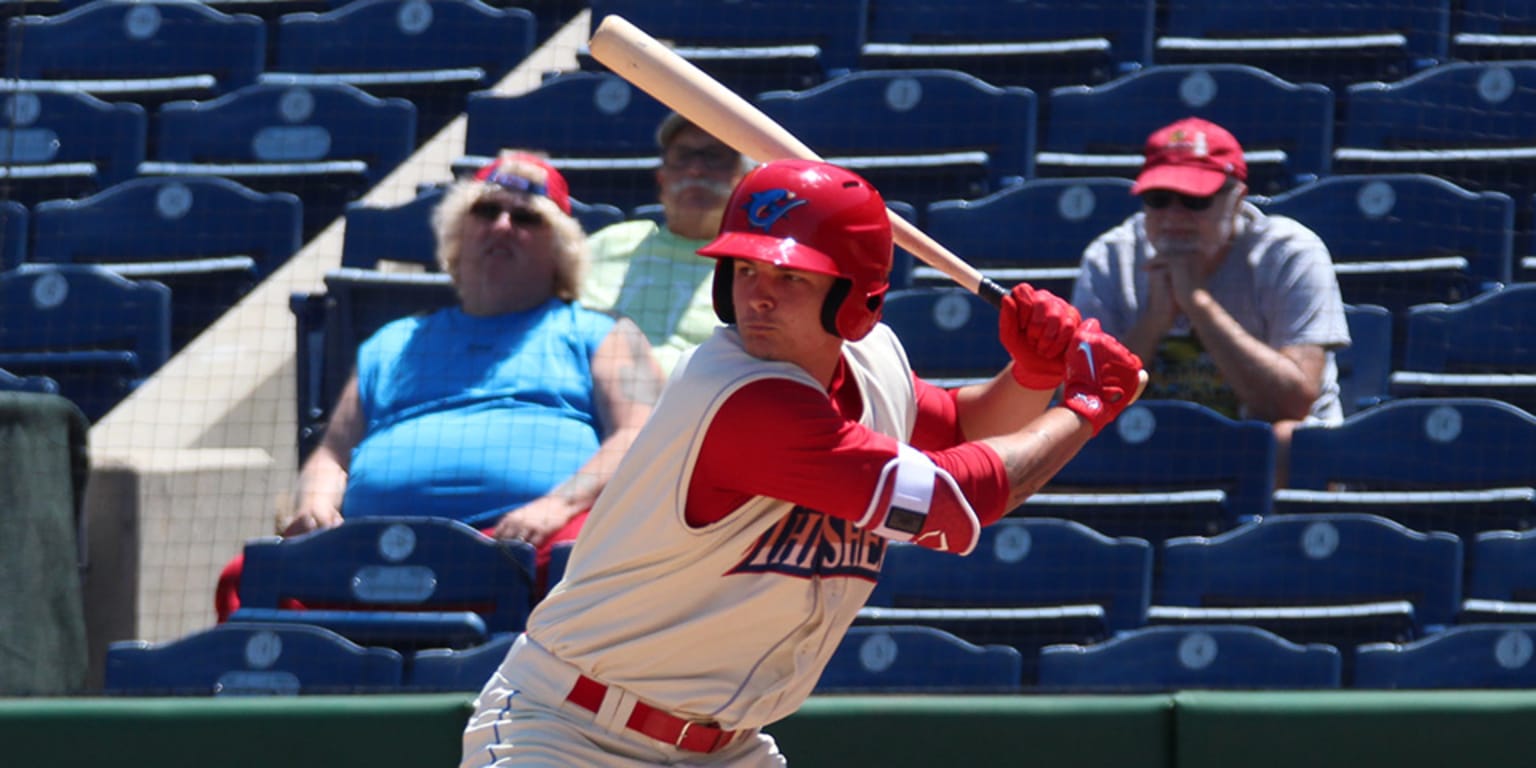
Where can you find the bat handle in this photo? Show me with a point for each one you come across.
(991, 291)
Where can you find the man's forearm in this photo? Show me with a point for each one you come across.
(1267, 382)
(1034, 454)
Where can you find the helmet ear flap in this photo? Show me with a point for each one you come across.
(725, 308)
(831, 308)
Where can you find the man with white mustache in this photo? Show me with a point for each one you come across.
(651, 272)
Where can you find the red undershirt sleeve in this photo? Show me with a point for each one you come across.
(785, 440)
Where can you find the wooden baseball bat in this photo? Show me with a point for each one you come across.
(706, 102)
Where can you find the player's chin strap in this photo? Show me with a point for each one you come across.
(911, 514)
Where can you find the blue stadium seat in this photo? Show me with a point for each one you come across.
(1342, 579)
(1449, 464)
(1030, 582)
(432, 52)
(1471, 656)
(1483, 30)
(1465, 122)
(1038, 44)
(1501, 584)
(67, 144)
(1481, 347)
(950, 334)
(1165, 468)
(598, 130)
(331, 326)
(403, 233)
(402, 582)
(13, 234)
(1033, 232)
(1333, 42)
(918, 659)
(917, 135)
(1365, 366)
(327, 144)
(449, 669)
(145, 52)
(208, 239)
(751, 45)
(559, 556)
(1281, 154)
(1404, 239)
(251, 659)
(10, 382)
(96, 333)
(1178, 658)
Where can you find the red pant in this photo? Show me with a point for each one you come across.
(226, 596)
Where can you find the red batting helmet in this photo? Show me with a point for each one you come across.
(807, 215)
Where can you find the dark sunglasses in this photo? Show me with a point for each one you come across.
(488, 212)
(1158, 199)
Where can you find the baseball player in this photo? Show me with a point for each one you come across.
(746, 526)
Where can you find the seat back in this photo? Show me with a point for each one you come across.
(915, 658)
(69, 144)
(168, 219)
(398, 36)
(1503, 566)
(599, 130)
(929, 121)
(1492, 29)
(13, 234)
(127, 41)
(10, 382)
(1418, 444)
(1110, 38)
(1365, 366)
(1058, 218)
(1281, 154)
(1468, 656)
(403, 582)
(1024, 562)
(1328, 41)
(81, 307)
(950, 334)
(1184, 657)
(1405, 217)
(248, 659)
(753, 35)
(1173, 445)
(1488, 333)
(454, 669)
(1320, 559)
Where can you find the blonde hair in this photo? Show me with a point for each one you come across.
(449, 219)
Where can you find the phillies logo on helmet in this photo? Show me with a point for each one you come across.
(768, 206)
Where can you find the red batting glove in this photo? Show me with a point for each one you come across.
(1102, 376)
(1037, 328)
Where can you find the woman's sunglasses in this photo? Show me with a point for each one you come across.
(488, 212)
(1158, 199)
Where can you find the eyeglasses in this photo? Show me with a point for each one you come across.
(713, 158)
(489, 212)
(1158, 199)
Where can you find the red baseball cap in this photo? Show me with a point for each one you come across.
(503, 172)
(1191, 156)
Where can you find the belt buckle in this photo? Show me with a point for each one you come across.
(682, 735)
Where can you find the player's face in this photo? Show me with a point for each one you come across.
(778, 314)
(1204, 229)
(507, 255)
(696, 177)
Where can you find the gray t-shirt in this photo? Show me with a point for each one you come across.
(1277, 282)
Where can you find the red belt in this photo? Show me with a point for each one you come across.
(661, 726)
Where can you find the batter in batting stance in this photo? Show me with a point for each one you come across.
(747, 523)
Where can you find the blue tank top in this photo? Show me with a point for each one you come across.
(468, 417)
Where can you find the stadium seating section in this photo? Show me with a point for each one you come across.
(159, 160)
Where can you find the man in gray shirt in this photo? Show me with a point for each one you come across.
(1229, 307)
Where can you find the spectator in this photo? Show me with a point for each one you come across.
(1230, 308)
(508, 412)
(650, 272)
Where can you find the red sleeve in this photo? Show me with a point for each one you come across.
(785, 440)
(938, 417)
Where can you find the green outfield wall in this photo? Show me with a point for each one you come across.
(1348, 729)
